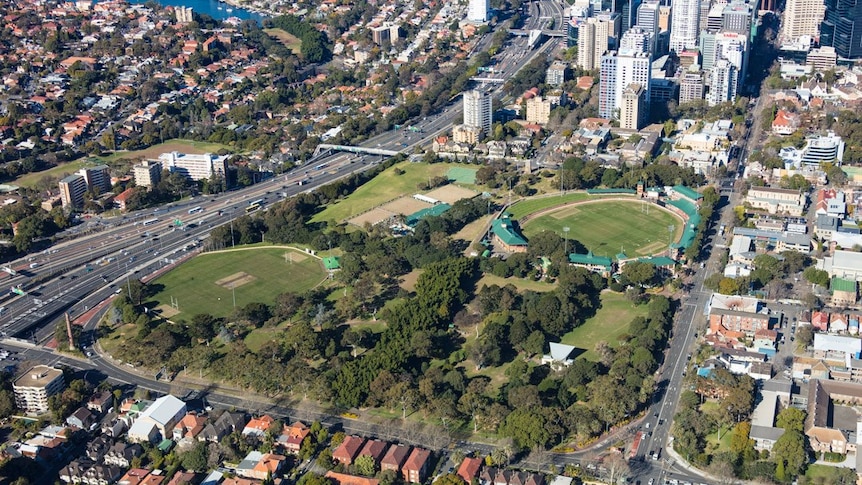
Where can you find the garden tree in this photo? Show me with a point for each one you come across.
(794, 261)
(789, 452)
(639, 273)
(203, 326)
(365, 465)
(7, 403)
(791, 419)
(449, 479)
(816, 276)
(805, 335)
(195, 459)
(766, 268)
(740, 442)
(527, 428)
(312, 478)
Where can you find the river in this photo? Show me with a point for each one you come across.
(213, 8)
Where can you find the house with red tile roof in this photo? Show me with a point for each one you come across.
(189, 427)
(121, 198)
(258, 426)
(345, 479)
(820, 321)
(785, 123)
(415, 469)
(291, 437)
(375, 449)
(348, 450)
(185, 478)
(469, 468)
(394, 458)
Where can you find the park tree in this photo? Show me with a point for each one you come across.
(816, 276)
(789, 452)
(527, 428)
(639, 273)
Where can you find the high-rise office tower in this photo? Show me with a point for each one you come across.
(684, 25)
(477, 10)
(707, 50)
(842, 28)
(628, 10)
(723, 83)
(802, 17)
(618, 70)
(648, 16)
(736, 17)
(477, 110)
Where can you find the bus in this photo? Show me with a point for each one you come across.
(252, 207)
(150, 222)
(321, 166)
(258, 202)
(195, 210)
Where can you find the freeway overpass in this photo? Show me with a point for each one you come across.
(326, 147)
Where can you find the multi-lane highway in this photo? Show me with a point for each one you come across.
(61, 278)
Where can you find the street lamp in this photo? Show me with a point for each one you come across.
(566, 240)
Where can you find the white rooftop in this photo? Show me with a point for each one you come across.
(837, 343)
(163, 409)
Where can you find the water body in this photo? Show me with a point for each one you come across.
(213, 8)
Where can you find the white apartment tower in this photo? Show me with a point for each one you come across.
(802, 17)
(618, 71)
(477, 110)
(636, 40)
(477, 11)
(684, 24)
(724, 79)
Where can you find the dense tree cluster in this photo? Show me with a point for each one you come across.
(315, 46)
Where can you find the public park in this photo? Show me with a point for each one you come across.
(219, 281)
(610, 226)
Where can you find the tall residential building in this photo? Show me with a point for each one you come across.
(684, 25)
(664, 18)
(703, 21)
(194, 167)
(802, 18)
(477, 10)
(691, 87)
(736, 17)
(842, 28)
(72, 190)
(734, 48)
(636, 40)
(593, 41)
(148, 173)
(98, 178)
(35, 386)
(380, 34)
(633, 108)
(556, 73)
(538, 110)
(723, 83)
(184, 14)
(478, 110)
(618, 71)
(648, 16)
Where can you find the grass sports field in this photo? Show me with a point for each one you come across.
(289, 40)
(529, 206)
(203, 285)
(606, 227)
(383, 188)
(60, 171)
(611, 321)
(175, 145)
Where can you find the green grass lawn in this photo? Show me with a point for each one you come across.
(607, 324)
(175, 145)
(60, 171)
(608, 227)
(289, 40)
(520, 283)
(821, 474)
(193, 284)
(383, 188)
(529, 206)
